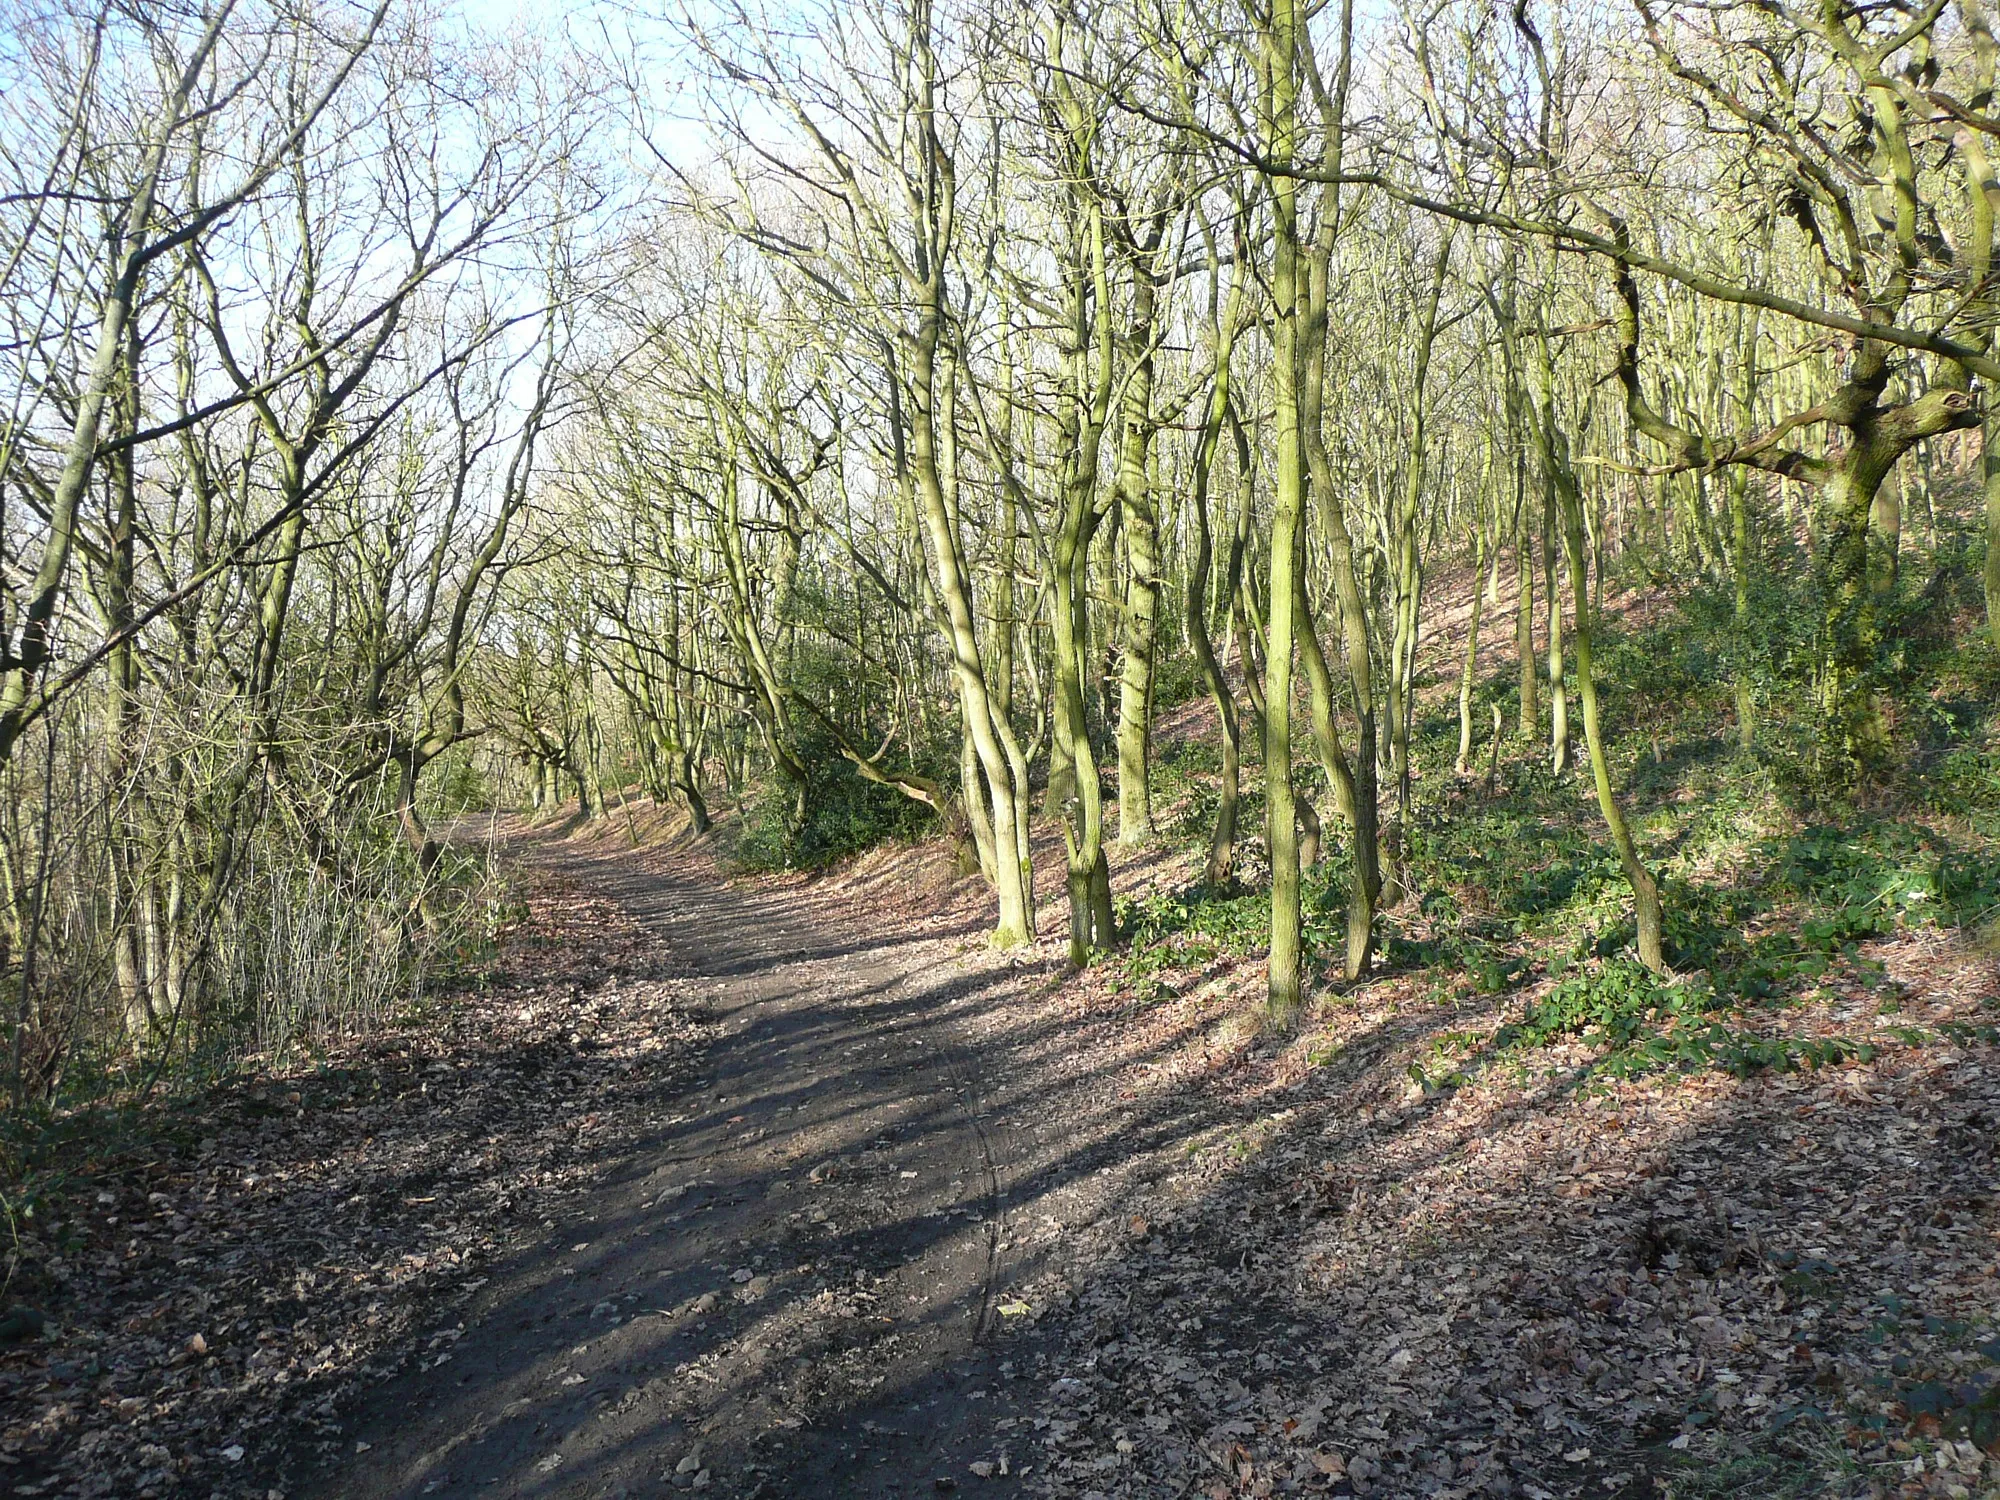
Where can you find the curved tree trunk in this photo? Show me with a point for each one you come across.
(1645, 889)
(1142, 584)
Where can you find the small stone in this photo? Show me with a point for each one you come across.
(689, 1463)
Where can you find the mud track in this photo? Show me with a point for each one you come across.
(787, 1288)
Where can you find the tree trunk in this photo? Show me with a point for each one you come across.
(1885, 533)
(1559, 746)
(1222, 840)
(1085, 409)
(1142, 584)
(1524, 627)
(1469, 668)
(1850, 636)
(1989, 473)
(1015, 923)
(1645, 891)
(1407, 576)
(1220, 868)
(1741, 562)
(1285, 984)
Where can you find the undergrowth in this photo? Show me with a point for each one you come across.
(844, 816)
(1774, 890)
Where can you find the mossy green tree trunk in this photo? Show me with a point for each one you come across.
(1406, 567)
(1086, 405)
(1140, 634)
(1553, 451)
(1355, 784)
(1225, 320)
(1282, 39)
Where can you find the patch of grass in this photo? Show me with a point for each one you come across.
(1804, 1457)
(1446, 1060)
(1613, 1004)
(1770, 897)
(1179, 930)
(1195, 925)
(1525, 857)
(1490, 967)
(1965, 783)
(1871, 879)
(1940, 1377)
(1761, 909)
(1647, 1023)
(1693, 1047)
(484, 909)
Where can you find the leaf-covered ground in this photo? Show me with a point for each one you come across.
(1410, 1250)
(226, 1271)
(1510, 1286)
(1312, 1267)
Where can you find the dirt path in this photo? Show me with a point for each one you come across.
(784, 1290)
(806, 1192)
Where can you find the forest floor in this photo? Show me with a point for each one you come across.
(792, 1187)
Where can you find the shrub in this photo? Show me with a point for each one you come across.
(1614, 1002)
